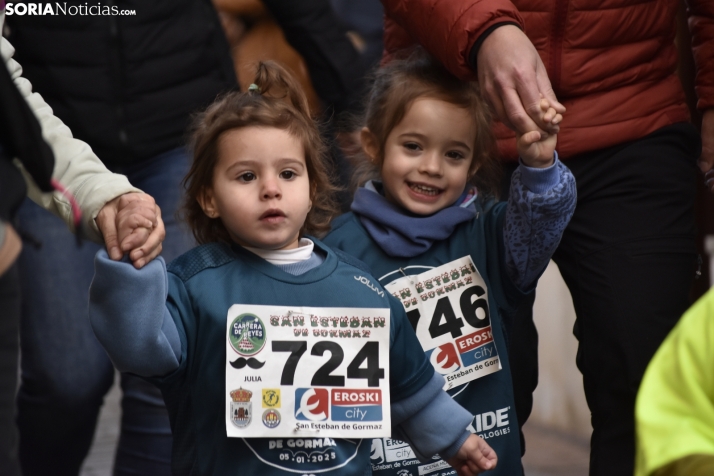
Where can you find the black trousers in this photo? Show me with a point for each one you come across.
(9, 352)
(628, 257)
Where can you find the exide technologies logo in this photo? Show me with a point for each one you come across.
(356, 405)
(312, 404)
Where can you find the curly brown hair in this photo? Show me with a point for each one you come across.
(412, 75)
(277, 101)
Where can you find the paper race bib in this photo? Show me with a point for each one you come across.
(448, 308)
(307, 372)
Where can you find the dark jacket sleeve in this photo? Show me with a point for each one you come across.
(446, 29)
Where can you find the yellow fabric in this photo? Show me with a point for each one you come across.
(675, 404)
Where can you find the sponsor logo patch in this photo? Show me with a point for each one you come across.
(476, 347)
(247, 335)
(271, 418)
(241, 407)
(388, 450)
(444, 358)
(312, 404)
(271, 398)
(356, 405)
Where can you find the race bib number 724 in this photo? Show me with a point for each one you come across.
(307, 372)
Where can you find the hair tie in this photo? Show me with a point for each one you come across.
(254, 87)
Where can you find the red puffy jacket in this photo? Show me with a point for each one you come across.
(611, 62)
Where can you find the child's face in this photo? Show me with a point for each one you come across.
(261, 189)
(427, 156)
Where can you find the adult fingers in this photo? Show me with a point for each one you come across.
(139, 201)
(709, 180)
(530, 96)
(106, 222)
(133, 230)
(493, 98)
(151, 248)
(136, 212)
(706, 160)
(136, 238)
(521, 110)
(507, 60)
(549, 115)
(149, 245)
(545, 87)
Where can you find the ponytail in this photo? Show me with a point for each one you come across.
(275, 82)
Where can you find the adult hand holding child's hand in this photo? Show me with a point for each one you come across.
(513, 78)
(132, 223)
(535, 148)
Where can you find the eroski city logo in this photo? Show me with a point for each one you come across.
(444, 358)
(312, 404)
(356, 405)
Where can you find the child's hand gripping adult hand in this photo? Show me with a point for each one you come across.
(536, 149)
(474, 457)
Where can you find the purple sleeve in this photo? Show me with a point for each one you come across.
(540, 205)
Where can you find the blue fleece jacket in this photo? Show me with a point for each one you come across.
(144, 334)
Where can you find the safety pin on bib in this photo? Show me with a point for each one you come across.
(411, 280)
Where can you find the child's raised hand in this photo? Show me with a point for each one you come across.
(474, 457)
(535, 150)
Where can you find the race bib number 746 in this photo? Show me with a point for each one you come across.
(307, 372)
(448, 309)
